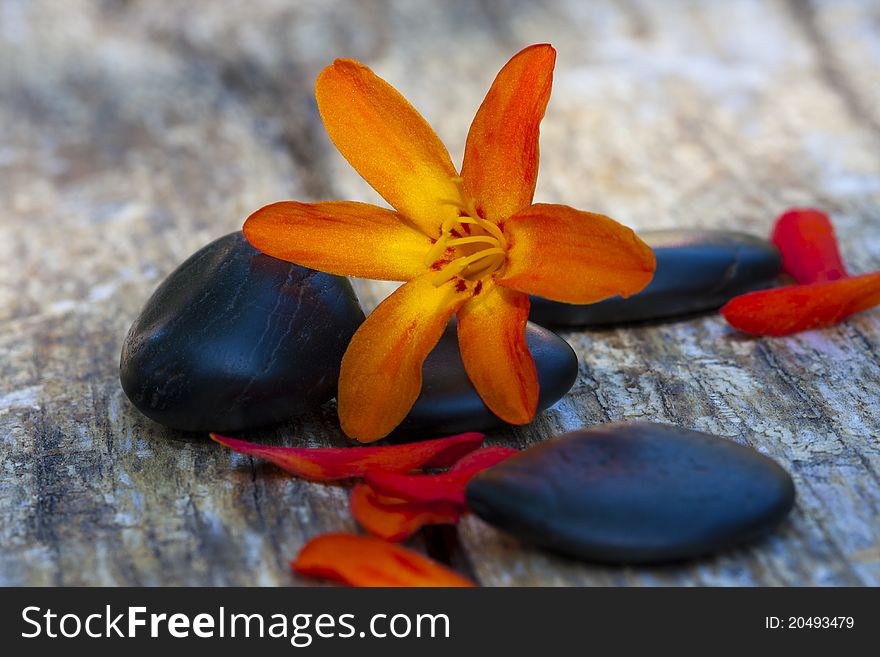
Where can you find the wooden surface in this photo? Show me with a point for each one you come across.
(132, 133)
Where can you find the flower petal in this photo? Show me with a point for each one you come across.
(381, 373)
(492, 341)
(500, 167)
(337, 237)
(805, 237)
(396, 520)
(388, 142)
(367, 561)
(567, 255)
(329, 463)
(787, 310)
(444, 487)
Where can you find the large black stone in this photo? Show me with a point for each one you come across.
(449, 403)
(634, 493)
(234, 339)
(697, 271)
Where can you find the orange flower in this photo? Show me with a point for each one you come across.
(471, 245)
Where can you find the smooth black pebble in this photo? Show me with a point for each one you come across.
(634, 493)
(234, 339)
(697, 271)
(449, 403)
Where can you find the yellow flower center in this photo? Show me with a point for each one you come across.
(469, 247)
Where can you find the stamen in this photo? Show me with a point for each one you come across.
(488, 226)
(460, 264)
(479, 255)
(487, 259)
(479, 239)
(436, 250)
(449, 272)
(469, 206)
(489, 266)
(450, 223)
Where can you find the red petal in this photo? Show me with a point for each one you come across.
(367, 561)
(787, 310)
(393, 519)
(482, 459)
(328, 463)
(445, 487)
(805, 237)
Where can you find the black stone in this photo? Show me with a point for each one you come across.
(449, 403)
(697, 271)
(634, 493)
(234, 339)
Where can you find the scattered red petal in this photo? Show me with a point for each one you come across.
(445, 487)
(480, 459)
(367, 561)
(810, 254)
(787, 310)
(393, 519)
(328, 463)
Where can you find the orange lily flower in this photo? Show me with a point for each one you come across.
(471, 245)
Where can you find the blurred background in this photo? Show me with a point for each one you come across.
(133, 132)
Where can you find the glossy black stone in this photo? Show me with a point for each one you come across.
(449, 403)
(234, 339)
(697, 271)
(634, 493)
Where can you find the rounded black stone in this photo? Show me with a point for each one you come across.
(234, 339)
(697, 271)
(449, 403)
(634, 493)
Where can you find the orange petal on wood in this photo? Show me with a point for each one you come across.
(492, 341)
(445, 487)
(388, 142)
(567, 255)
(367, 561)
(393, 519)
(500, 167)
(381, 373)
(328, 463)
(337, 237)
(806, 240)
(787, 310)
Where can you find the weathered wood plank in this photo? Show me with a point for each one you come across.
(131, 134)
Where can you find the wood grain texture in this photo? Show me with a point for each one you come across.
(132, 133)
